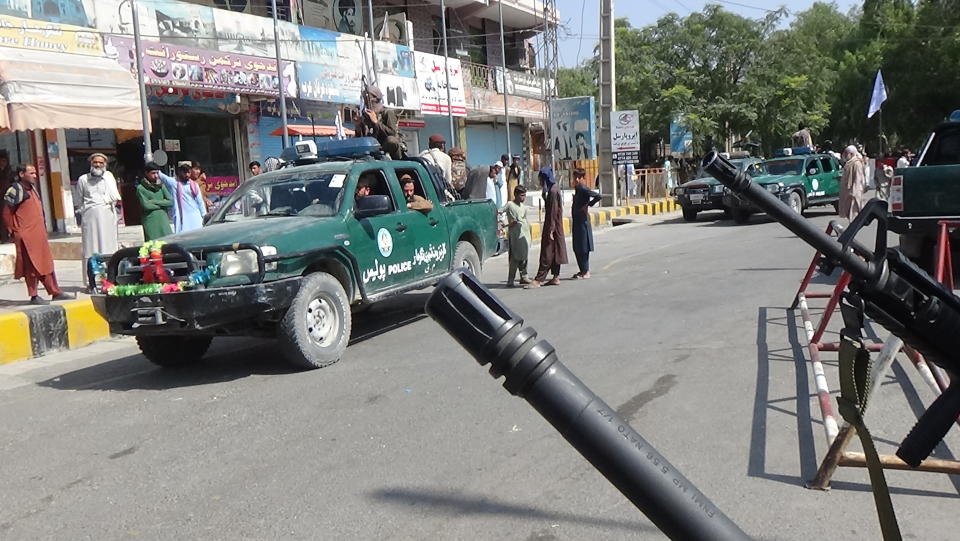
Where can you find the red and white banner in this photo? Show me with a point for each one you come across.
(432, 84)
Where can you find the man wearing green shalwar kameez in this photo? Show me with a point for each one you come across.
(518, 234)
(154, 199)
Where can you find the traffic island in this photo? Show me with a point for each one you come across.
(606, 216)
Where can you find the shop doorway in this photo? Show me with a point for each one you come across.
(211, 140)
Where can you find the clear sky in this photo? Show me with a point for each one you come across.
(644, 12)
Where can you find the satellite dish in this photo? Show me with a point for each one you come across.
(160, 158)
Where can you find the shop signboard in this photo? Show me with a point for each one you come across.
(328, 83)
(241, 33)
(185, 67)
(186, 25)
(45, 36)
(625, 136)
(221, 185)
(75, 12)
(17, 8)
(518, 83)
(334, 72)
(573, 128)
(681, 138)
(396, 75)
(432, 83)
(116, 17)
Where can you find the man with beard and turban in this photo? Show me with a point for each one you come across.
(852, 182)
(95, 199)
(553, 248)
(23, 218)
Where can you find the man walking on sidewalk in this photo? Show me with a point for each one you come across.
(553, 248)
(583, 199)
(95, 200)
(23, 218)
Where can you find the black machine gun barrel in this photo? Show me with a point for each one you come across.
(896, 294)
(494, 335)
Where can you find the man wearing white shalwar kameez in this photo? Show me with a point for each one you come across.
(95, 199)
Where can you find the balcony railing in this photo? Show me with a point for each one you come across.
(482, 76)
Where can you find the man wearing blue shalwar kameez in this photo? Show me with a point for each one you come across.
(188, 206)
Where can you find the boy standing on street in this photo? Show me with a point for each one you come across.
(519, 235)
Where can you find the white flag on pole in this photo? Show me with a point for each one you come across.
(879, 95)
(339, 124)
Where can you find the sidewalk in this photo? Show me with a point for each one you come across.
(32, 331)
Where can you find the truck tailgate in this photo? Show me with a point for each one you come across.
(932, 190)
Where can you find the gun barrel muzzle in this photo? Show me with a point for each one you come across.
(494, 335)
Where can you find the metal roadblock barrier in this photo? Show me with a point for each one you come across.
(45, 329)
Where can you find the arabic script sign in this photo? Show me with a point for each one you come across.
(185, 67)
(625, 131)
(44, 36)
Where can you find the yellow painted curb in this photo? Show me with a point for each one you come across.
(84, 324)
(15, 341)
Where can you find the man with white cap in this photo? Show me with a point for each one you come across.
(95, 199)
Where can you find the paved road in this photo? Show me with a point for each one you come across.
(683, 329)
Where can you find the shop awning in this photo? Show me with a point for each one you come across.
(307, 130)
(46, 90)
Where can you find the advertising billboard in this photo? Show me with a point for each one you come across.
(573, 128)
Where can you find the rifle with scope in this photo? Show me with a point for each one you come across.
(895, 293)
(494, 335)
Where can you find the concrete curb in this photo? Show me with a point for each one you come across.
(604, 216)
(42, 330)
(71, 325)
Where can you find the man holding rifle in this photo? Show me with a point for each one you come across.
(380, 123)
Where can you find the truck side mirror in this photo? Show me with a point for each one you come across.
(373, 205)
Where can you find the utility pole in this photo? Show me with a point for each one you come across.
(283, 95)
(551, 57)
(144, 108)
(608, 104)
(506, 93)
(446, 72)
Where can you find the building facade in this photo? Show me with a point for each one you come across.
(213, 82)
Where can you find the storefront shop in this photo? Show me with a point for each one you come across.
(55, 78)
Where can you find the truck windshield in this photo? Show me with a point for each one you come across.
(784, 167)
(315, 194)
(944, 147)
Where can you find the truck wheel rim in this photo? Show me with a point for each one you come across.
(795, 204)
(322, 321)
(467, 266)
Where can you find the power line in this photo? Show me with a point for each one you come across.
(583, 7)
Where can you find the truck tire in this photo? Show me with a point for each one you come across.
(465, 256)
(173, 351)
(740, 216)
(316, 328)
(795, 202)
(690, 215)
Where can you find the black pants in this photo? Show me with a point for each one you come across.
(583, 260)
